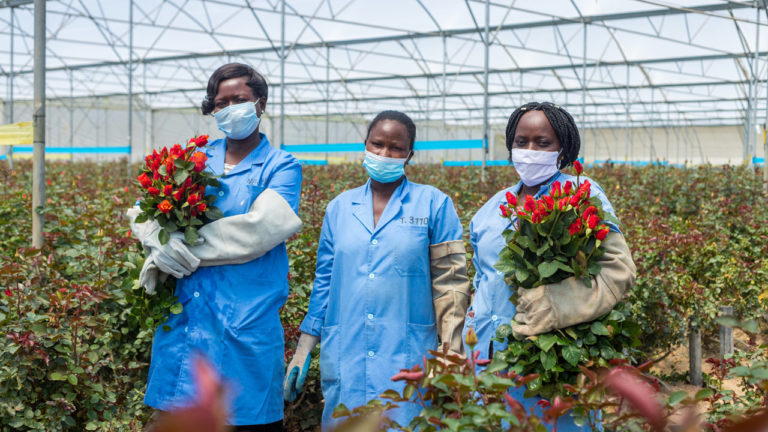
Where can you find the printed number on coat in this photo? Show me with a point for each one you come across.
(410, 220)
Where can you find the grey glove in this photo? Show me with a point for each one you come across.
(230, 240)
(242, 238)
(172, 258)
(570, 302)
(450, 291)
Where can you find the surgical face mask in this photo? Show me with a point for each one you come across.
(238, 121)
(384, 169)
(533, 166)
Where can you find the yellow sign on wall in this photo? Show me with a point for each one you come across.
(16, 134)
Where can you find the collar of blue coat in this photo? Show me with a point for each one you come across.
(363, 205)
(216, 152)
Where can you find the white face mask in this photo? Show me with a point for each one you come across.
(534, 167)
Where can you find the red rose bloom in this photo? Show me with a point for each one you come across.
(556, 189)
(170, 167)
(199, 158)
(179, 194)
(530, 204)
(602, 232)
(549, 202)
(589, 212)
(593, 221)
(567, 188)
(167, 190)
(575, 227)
(176, 151)
(562, 203)
(577, 166)
(511, 199)
(144, 180)
(575, 199)
(201, 207)
(200, 141)
(153, 191)
(504, 210)
(165, 206)
(193, 199)
(536, 217)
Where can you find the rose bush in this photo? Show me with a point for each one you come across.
(77, 329)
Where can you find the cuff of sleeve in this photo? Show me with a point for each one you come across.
(311, 325)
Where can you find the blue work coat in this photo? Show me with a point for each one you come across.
(490, 306)
(371, 303)
(231, 311)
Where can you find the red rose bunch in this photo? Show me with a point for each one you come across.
(555, 237)
(174, 182)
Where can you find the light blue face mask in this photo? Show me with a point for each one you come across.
(238, 121)
(384, 169)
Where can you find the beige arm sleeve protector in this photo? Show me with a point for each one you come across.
(570, 302)
(242, 238)
(450, 291)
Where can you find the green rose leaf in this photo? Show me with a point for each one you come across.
(176, 308)
(190, 235)
(548, 359)
(677, 397)
(572, 354)
(546, 341)
(548, 268)
(57, 376)
(163, 236)
(180, 175)
(600, 329)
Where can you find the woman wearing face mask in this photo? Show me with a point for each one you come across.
(542, 139)
(230, 312)
(390, 282)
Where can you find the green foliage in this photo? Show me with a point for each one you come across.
(555, 357)
(699, 237)
(77, 328)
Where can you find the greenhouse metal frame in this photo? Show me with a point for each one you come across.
(619, 65)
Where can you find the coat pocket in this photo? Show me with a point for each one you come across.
(329, 354)
(412, 252)
(421, 339)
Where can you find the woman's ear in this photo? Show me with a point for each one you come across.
(410, 155)
(261, 105)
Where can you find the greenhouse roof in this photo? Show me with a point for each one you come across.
(640, 62)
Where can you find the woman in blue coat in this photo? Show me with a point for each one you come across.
(542, 139)
(390, 280)
(231, 311)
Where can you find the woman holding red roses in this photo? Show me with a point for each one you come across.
(231, 301)
(542, 139)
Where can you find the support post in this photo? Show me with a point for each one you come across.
(726, 333)
(626, 124)
(130, 88)
(694, 354)
(327, 97)
(38, 119)
(582, 151)
(10, 88)
(487, 41)
(443, 90)
(282, 74)
(753, 120)
(71, 109)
